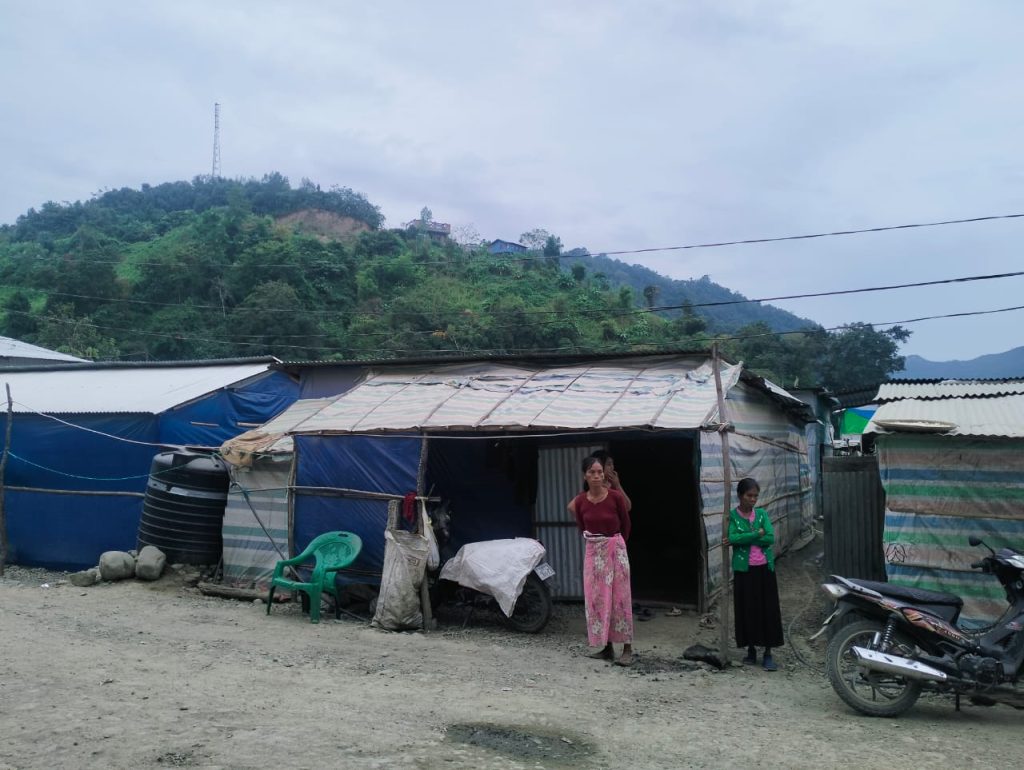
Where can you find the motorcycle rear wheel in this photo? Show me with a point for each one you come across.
(869, 692)
(533, 607)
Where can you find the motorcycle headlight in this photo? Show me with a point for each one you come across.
(834, 590)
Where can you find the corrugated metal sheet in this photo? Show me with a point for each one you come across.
(894, 391)
(854, 506)
(140, 390)
(11, 348)
(558, 469)
(999, 416)
(670, 393)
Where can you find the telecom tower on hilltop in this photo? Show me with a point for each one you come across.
(215, 170)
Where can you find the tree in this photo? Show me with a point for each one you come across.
(258, 331)
(858, 354)
(552, 246)
(651, 293)
(535, 239)
(467, 235)
(62, 331)
(18, 321)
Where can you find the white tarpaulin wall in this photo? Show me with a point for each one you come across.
(769, 447)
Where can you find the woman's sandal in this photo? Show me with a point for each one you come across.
(625, 660)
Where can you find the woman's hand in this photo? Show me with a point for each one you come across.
(761, 532)
(611, 479)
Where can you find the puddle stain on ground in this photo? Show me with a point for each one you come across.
(524, 743)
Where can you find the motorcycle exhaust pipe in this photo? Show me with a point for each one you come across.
(896, 664)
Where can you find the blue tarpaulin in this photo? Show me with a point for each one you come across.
(81, 454)
(383, 464)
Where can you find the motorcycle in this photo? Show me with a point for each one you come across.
(505, 576)
(890, 643)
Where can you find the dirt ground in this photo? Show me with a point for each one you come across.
(133, 674)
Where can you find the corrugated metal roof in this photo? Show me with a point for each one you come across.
(137, 389)
(996, 416)
(892, 391)
(673, 393)
(12, 348)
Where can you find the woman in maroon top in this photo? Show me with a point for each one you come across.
(602, 514)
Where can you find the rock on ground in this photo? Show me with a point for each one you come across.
(116, 565)
(150, 563)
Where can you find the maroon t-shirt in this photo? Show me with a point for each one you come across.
(608, 517)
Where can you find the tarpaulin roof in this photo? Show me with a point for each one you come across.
(136, 389)
(673, 393)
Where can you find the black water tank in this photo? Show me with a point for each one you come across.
(183, 511)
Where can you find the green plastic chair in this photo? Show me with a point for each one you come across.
(331, 551)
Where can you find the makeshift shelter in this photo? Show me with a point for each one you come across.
(83, 437)
(502, 441)
(951, 460)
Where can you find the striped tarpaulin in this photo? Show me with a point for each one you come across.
(940, 490)
(249, 554)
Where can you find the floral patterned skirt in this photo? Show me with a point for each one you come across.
(606, 590)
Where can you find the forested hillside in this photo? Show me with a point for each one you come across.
(218, 268)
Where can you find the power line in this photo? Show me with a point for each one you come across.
(885, 228)
(619, 252)
(610, 311)
(565, 348)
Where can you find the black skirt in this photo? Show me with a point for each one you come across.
(755, 601)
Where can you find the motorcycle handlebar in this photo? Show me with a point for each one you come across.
(979, 564)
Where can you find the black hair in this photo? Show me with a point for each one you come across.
(602, 455)
(588, 461)
(746, 485)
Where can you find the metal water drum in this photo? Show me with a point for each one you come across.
(183, 510)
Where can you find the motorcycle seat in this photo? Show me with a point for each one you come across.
(915, 595)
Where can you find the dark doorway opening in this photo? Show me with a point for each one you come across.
(660, 477)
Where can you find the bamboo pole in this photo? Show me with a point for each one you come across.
(3, 495)
(725, 595)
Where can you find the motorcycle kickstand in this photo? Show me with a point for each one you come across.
(957, 701)
(465, 622)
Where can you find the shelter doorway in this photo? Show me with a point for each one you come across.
(666, 545)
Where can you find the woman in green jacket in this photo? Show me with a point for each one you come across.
(755, 590)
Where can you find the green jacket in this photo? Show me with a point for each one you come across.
(743, 534)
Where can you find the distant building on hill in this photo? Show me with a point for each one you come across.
(505, 247)
(436, 231)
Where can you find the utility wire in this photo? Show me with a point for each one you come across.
(648, 250)
(610, 311)
(616, 347)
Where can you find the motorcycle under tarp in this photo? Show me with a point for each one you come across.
(498, 568)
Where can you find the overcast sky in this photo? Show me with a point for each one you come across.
(613, 125)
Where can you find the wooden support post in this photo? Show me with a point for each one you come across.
(3, 495)
(725, 595)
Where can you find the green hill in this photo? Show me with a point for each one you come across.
(217, 268)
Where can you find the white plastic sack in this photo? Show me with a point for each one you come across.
(495, 567)
(405, 560)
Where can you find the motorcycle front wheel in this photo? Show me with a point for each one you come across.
(874, 693)
(533, 607)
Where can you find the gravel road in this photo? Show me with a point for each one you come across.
(133, 674)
